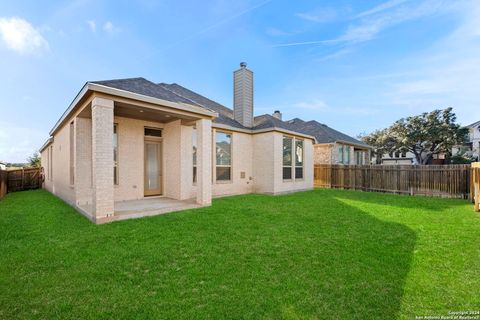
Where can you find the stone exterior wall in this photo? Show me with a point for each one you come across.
(323, 154)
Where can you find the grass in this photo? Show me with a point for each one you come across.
(319, 254)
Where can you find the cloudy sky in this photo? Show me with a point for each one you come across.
(354, 65)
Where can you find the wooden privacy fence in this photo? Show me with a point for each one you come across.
(451, 181)
(475, 186)
(20, 179)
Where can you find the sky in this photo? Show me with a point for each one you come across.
(356, 66)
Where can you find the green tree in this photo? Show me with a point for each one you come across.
(424, 135)
(34, 160)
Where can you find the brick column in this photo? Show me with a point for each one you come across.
(204, 161)
(102, 157)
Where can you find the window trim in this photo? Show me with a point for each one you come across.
(72, 153)
(303, 159)
(293, 165)
(214, 171)
(194, 162)
(116, 152)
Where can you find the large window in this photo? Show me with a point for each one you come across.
(293, 158)
(72, 153)
(115, 154)
(359, 157)
(287, 158)
(223, 152)
(194, 154)
(343, 154)
(298, 159)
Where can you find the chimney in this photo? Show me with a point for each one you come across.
(243, 95)
(277, 114)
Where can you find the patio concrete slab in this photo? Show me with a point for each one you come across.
(143, 208)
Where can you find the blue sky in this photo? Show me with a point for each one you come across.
(354, 65)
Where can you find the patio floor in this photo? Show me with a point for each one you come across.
(143, 208)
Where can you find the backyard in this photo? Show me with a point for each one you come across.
(318, 254)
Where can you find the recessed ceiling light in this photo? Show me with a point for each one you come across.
(167, 116)
(141, 110)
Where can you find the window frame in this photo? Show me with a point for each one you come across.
(302, 166)
(292, 160)
(216, 165)
(116, 170)
(72, 153)
(194, 155)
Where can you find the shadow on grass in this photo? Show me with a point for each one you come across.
(294, 256)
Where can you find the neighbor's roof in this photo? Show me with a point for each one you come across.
(323, 133)
(473, 125)
(176, 93)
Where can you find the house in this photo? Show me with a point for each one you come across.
(398, 158)
(130, 147)
(3, 166)
(471, 147)
(332, 146)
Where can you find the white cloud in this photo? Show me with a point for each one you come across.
(110, 28)
(92, 25)
(316, 104)
(20, 36)
(381, 7)
(27, 141)
(319, 15)
(447, 73)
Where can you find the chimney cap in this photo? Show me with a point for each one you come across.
(276, 111)
(243, 64)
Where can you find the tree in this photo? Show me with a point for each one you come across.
(424, 135)
(34, 160)
(382, 142)
(428, 134)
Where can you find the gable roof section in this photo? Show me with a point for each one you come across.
(323, 133)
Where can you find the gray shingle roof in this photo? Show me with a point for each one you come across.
(176, 93)
(144, 87)
(322, 132)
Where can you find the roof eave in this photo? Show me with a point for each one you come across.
(127, 94)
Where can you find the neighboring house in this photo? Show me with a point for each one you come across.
(332, 146)
(400, 158)
(3, 166)
(472, 142)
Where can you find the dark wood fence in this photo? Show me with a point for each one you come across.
(451, 181)
(20, 179)
(475, 185)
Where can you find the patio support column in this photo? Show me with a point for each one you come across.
(204, 161)
(102, 157)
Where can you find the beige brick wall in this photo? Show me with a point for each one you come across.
(323, 154)
(83, 161)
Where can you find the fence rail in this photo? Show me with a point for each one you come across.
(451, 181)
(20, 179)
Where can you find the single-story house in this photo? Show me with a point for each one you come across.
(471, 147)
(131, 147)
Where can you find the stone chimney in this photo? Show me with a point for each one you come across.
(243, 95)
(277, 114)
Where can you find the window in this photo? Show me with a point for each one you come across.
(298, 159)
(223, 153)
(72, 153)
(194, 154)
(152, 132)
(115, 154)
(359, 157)
(51, 163)
(287, 158)
(343, 154)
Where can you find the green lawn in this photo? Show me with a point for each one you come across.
(319, 254)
